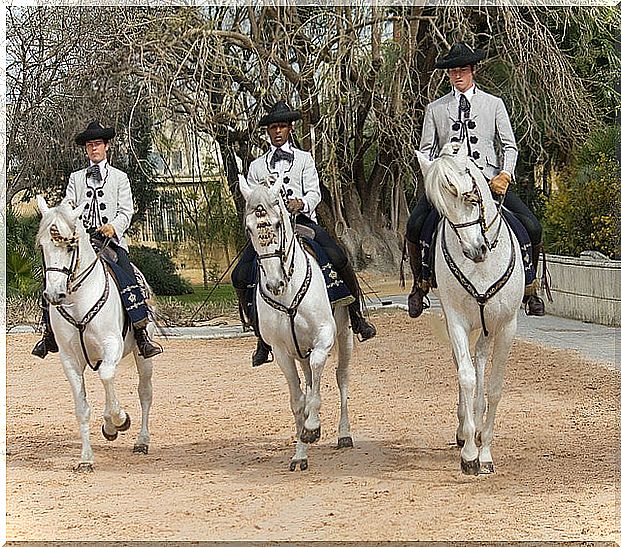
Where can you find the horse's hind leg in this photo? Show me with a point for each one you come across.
(145, 392)
(502, 346)
(345, 347)
(75, 375)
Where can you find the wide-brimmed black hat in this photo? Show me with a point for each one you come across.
(280, 113)
(460, 55)
(93, 132)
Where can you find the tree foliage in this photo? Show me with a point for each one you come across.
(584, 213)
(361, 76)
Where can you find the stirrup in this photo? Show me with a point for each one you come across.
(262, 354)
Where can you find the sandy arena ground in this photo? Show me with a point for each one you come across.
(222, 436)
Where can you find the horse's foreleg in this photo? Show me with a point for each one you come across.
(115, 418)
(297, 403)
(145, 393)
(75, 374)
(480, 357)
(345, 347)
(312, 425)
(502, 346)
(467, 381)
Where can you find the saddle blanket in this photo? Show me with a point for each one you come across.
(428, 238)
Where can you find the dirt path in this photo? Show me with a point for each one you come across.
(222, 437)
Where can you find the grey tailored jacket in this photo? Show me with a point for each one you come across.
(300, 178)
(109, 201)
(487, 132)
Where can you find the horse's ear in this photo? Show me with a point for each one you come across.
(77, 212)
(423, 162)
(276, 186)
(42, 204)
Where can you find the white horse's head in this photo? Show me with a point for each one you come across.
(459, 192)
(59, 236)
(271, 233)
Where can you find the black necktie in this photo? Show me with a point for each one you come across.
(464, 106)
(278, 155)
(94, 172)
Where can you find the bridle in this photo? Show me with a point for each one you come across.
(74, 281)
(286, 255)
(474, 197)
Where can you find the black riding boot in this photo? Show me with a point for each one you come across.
(46, 345)
(532, 302)
(146, 348)
(416, 303)
(260, 355)
(359, 324)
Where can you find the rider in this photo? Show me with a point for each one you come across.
(107, 215)
(469, 115)
(301, 183)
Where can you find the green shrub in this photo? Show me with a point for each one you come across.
(583, 213)
(23, 260)
(159, 269)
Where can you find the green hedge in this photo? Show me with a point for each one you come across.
(159, 269)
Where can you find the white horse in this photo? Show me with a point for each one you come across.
(480, 278)
(295, 316)
(87, 318)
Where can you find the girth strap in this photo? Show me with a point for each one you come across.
(292, 310)
(81, 325)
(466, 284)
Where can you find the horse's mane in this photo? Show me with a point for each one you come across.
(449, 167)
(59, 216)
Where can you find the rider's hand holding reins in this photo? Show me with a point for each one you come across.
(500, 183)
(107, 230)
(295, 206)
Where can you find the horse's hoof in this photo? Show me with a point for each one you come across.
(141, 449)
(126, 424)
(303, 464)
(487, 468)
(107, 436)
(459, 442)
(470, 468)
(310, 436)
(84, 467)
(345, 442)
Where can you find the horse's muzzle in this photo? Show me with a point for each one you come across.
(477, 255)
(54, 298)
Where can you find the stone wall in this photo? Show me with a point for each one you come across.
(586, 288)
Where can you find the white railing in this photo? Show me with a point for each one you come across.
(586, 288)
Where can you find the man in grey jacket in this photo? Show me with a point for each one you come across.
(107, 214)
(301, 182)
(480, 121)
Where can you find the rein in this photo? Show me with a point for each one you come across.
(481, 298)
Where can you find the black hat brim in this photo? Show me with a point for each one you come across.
(466, 59)
(104, 133)
(280, 117)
